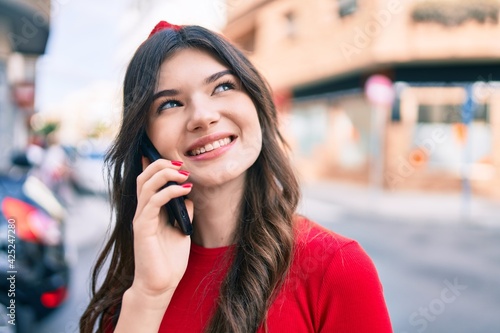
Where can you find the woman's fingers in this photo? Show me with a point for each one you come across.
(159, 179)
(152, 209)
(152, 194)
(150, 169)
(155, 176)
(168, 193)
(161, 252)
(157, 182)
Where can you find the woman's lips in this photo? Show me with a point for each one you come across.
(216, 144)
(215, 152)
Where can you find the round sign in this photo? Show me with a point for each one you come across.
(379, 90)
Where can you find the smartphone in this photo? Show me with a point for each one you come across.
(176, 208)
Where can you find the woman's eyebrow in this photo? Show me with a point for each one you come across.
(214, 77)
(166, 92)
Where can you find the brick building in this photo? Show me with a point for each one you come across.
(443, 129)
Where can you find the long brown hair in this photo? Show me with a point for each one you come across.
(264, 236)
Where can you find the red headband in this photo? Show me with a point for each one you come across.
(162, 25)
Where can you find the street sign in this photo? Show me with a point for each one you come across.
(379, 90)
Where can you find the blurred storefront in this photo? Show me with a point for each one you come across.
(24, 30)
(443, 56)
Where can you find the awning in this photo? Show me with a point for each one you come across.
(444, 73)
(27, 26)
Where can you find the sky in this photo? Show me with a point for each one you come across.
(80, 49)
(91, 41)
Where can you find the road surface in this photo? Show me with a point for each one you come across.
(437, 278)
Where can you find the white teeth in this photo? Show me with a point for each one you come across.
(210, 146)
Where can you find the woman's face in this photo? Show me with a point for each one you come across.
(200, 115)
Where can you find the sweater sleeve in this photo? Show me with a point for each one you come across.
(351, 296)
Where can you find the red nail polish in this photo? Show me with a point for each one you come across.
(176, 163)
(184, 172)
(187, 185)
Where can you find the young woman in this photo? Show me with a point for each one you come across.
(252, 264)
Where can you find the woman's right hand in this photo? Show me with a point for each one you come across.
(160, 251)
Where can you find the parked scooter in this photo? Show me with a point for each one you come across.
(34, 268)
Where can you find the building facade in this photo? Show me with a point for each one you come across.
(442, 131)
(24, 31)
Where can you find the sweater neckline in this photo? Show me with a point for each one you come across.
(205, 251)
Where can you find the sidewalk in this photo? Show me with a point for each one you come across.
(415, 207)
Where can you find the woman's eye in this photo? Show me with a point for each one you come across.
(223, 87)
(169, 104)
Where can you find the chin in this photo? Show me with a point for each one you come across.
(232, 173)
(224, 171)
(217, 178)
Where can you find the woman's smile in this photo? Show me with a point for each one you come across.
(201, 113)
(210, 143)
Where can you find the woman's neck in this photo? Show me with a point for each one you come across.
(216, 213)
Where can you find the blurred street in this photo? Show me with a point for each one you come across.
(439, 275)
(391, 110)
(87, 223)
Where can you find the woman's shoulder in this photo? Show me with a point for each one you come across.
(311, 235)
(331, 257)
(332, 271)
(332, 252)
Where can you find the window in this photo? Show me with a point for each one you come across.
(482, 113)
(450, 113)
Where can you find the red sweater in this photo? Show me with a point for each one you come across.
(332, 286)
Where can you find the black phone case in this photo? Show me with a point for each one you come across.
(176, 208)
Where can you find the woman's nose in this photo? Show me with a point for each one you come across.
(203, 115)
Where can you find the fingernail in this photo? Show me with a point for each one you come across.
(187, 185)
(184, 172)
(176, 163)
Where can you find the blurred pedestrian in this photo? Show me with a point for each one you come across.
(54, 169)
(252, 264)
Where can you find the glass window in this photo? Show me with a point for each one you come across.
(450, 113)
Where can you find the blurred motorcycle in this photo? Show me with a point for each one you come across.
(34, 269)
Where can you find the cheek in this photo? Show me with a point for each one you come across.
(257, 132)
(253, 143)
(165, 136)
(258, 140)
